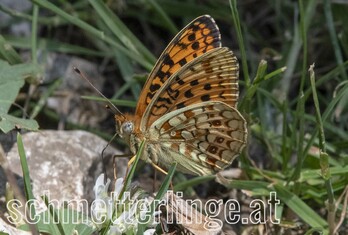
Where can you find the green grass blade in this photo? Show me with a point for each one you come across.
(90, 29)
(166, 21)
(236, 22)
(34, 33)
(132, 170)
(127, 70)
(193, 182)
(55, 222)
(293, 54)
(8, 53)
(56, 46)
(333, 36)
(44, 97)
(122, 32)
(161, 192)
(327, 112)
(27, 185)
(126, 103)
(28, 190)
(299, 207)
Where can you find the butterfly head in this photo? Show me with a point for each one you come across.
(124, 127)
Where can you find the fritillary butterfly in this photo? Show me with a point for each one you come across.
(187, 112)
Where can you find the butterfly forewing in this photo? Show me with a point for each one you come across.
(210, 77)
(198, 37)
(203, 138)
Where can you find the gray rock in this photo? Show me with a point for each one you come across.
(18, 28)
(64, 164)
(67, 101)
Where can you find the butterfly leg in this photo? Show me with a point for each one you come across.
(163, 171)
(155, 175)
(159, 168)
(114, 163)
(130, 162)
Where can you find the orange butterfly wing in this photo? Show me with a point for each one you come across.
(211, 77)
(198, 37)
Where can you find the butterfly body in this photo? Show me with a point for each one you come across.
(187, 112)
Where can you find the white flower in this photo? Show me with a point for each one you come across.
(102, 206)
(100, 189)
(150, 231)
(124, 212)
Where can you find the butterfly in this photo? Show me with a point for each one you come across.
(186, 111)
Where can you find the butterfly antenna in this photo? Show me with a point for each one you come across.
(111, 105)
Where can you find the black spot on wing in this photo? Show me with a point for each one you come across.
(154, 87)
(188, 94)
(194, 82)
(179, 80)
(207, 87)
(182, 62)
(205, 97)
(192, 37)
(180, 105)
(168, 61)
(195, 46)
(167, 100)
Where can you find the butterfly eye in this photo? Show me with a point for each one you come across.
(127, 127)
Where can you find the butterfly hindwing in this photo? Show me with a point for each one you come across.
(203, 137)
